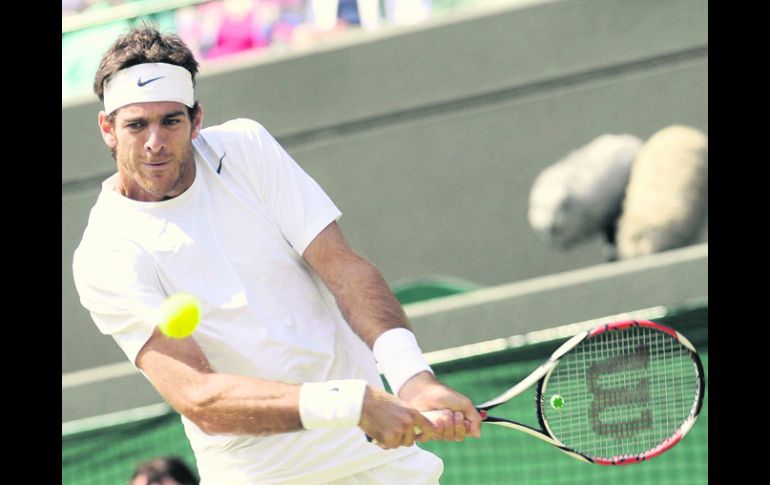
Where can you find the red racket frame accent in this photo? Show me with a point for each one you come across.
(622, 325)
(663, 447)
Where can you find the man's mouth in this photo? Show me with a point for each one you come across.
(157, 163)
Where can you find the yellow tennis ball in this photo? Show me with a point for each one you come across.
(179, 315)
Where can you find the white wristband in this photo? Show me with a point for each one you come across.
(331, 404)
(399, 357)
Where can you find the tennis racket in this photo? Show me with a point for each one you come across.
(617, 394)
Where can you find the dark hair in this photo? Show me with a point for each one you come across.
(159, 468)
(145, 44)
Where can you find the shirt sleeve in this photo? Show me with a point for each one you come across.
(117, 284)
(300, 207)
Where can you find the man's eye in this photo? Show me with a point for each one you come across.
(134, 125)
(172, 122)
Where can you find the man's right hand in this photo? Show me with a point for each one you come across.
(391, 422)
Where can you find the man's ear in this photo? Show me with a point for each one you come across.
(197, 122)
(105, 128)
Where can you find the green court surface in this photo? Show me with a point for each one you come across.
(108, 455)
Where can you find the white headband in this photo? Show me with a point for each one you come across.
(148, 82)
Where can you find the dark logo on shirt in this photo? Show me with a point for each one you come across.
(219, 168)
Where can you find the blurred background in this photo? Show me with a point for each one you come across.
(459, 138)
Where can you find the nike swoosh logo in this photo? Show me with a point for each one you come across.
(219, 168)
(140, 83)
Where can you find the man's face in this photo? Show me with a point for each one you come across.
(152, 144)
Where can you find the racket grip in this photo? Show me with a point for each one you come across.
(432, 414)
(417, 431)
(373, 441)
(428, 414)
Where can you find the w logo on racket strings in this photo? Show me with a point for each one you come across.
(628, 394)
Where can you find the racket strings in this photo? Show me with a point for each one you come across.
(624, 392)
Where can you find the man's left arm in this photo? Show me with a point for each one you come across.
(372, 311)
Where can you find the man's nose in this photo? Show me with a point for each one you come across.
(155, 141)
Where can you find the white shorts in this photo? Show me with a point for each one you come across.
(421, 468)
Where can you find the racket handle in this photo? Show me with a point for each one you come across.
(430, 415)
(374, 441)
(417, 430)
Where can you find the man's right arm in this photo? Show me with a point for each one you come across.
(217, 403)
(235, 404)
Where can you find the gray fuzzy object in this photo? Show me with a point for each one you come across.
(666, 202)
(580, 196)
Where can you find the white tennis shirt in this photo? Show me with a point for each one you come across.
(235, 239)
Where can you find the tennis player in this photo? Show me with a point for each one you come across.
(279, 383)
